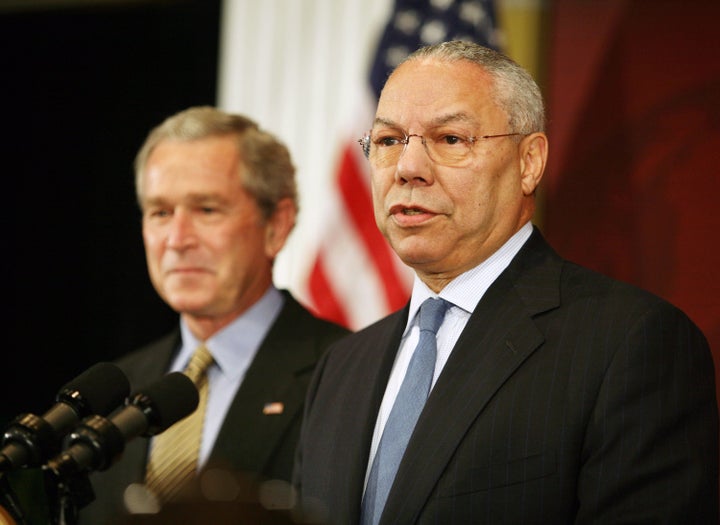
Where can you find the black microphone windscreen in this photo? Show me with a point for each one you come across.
(98, 390)
(172, 398)
(98, 441)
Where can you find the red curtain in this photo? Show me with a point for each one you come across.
(633, 183)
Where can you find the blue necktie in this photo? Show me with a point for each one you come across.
(405, 412)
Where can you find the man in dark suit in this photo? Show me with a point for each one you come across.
(218, 200)
(557, 395)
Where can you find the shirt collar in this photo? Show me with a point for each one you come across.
(466, 290)
(236, 344)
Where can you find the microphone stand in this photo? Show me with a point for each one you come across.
(9, 503)
(67, 494)
(67, 476)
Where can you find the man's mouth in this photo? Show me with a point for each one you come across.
(186, 270)
(404, 209)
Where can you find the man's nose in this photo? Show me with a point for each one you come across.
(182, 231)
(414, 165)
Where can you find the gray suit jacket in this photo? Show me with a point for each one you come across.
(249, 441)
(569, 398)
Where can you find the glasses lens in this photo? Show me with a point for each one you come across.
(385, 150)
(383, 156)
(450, 149)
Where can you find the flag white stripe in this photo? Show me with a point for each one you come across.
(299, 67)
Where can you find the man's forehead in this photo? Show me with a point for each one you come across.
(439, 70)
(437, 92)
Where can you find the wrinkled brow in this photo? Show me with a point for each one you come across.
(437, 121)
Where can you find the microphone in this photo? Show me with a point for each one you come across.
(30, 440)
(98, 441)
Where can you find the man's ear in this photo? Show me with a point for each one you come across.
(279, 226)
(533, 157)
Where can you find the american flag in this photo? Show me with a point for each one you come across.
(356, 277)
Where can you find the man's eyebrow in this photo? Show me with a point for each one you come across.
(192, 198)
(384, 122)
(199, 198)
(460, 116)
(152, 201)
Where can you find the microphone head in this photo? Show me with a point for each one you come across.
(166, 401)
(98, 390)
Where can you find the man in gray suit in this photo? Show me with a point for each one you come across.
(218, 200)
(554, 394)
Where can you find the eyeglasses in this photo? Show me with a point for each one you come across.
(447, 149)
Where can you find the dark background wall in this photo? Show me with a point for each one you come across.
(80, 88)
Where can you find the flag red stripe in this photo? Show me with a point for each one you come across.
(325, 302)
(358, 201)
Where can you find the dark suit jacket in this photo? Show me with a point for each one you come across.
(569, 398)
(249, 441)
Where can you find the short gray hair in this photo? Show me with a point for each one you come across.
(515, 91)
(267, 172)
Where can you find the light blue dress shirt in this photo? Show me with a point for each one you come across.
(233, 348)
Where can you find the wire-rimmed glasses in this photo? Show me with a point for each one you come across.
(448, 149)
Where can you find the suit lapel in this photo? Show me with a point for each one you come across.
(142, 369)
(344, 399)
(499, 337)
(270, 396)
(378, 358)
(155, 361)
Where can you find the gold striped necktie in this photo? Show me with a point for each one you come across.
(174, 455)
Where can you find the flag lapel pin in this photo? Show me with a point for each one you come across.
(273, 409)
